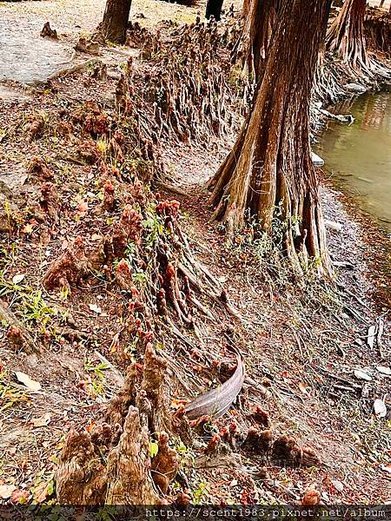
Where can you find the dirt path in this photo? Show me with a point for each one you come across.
(27, 58)
(24, 55)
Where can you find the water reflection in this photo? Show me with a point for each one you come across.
(359, 155)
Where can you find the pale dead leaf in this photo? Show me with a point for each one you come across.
(371, 336)
(28, 228)
(386, 468)
(338, 485)
(18, 278)
(362, 376)
(95, 308)
(27, 381)
(42, 421)
(40, 492)
(380, 408)
(384, 370)
(6, 491)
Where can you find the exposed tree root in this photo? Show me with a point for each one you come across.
(129, 241)
(190, 92)
(128, 465)
(112, 465)
(48, 32)
(17, 334)
(69, 268)
(81, 476)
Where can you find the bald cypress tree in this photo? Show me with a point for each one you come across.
(269, 173)
(346, 35)
(259, 20)
(115, 20)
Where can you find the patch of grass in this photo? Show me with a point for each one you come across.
(34, 308)
(97, 377)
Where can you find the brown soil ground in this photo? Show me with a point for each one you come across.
(301, 343)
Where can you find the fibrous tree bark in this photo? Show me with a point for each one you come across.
(346, 35)
(377, 26)
(213, 8)
(115, 20)
(259, 19)
(269, 174)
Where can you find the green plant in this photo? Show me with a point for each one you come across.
(140, 278)
(35, 309)
(154, 226)
(102, 146)
(200, 492)
(153, 448)
(185, 454)
(97, 377)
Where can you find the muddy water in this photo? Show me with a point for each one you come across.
(358, 156)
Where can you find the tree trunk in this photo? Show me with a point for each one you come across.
(346, 35)
(378, 31)
(259, 22)
(115, 20)
(213, 8)
(269, 173)
(246, 8)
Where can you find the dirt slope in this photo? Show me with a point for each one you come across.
(301, 343)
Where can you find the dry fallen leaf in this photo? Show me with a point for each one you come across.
(42, 421)
(380, 408)
(41, 492)
(82, 209)
(95, 308)
(303, 388)
(384, 370)
(338, 485)
(18, 278)
(362, 376)
(27, 381)
(28, 228)
(371, 336)
(6, 491)
(386, 468)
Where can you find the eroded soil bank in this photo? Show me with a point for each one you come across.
(81, 151)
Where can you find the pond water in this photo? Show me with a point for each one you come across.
(358, 156)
